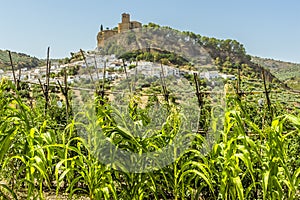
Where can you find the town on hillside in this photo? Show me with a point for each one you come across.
(114, 65)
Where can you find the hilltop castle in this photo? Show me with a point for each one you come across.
(125, 25)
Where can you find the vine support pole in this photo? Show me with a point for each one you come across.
(103, 84)
(86, 64)
(200, 103)
(163, 83)
(65, 92)
(126, 75)
(12, 67)
(45, 86)
(238, 83)
(266, 91)
(46, 90)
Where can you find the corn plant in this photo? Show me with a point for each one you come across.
(255, 157)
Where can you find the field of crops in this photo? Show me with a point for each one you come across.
(256, 155)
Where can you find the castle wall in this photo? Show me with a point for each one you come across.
(128, 26)
(104, 35)
(125, 25)
(135, 24)
(125, 18)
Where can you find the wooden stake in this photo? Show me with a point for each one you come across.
(199, 96)
(13, 68)
(165, 91)
(266, 90)
(96, 68)
(238, 84)
(42, 87)
(65, 91)
(124, 67)
(126, 75)
(98, 78)
(46, 89)
(103, 81)
(200, 103)
(19, 80)
(135, 78)
(84, 58)
(19, 77)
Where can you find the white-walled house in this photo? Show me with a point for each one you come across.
(211, 74)
(228, 76)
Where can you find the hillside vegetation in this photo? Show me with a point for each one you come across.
(287, 72)
(20, 60)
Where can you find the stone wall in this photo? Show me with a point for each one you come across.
(104, 35)
(125, 25)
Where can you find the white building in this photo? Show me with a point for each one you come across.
(228, 76)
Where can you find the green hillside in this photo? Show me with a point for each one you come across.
(287, 72)
(19, 59)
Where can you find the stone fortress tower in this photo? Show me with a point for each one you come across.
(125, 25)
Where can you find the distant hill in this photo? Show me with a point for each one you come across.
(19, 59)
(287, 72)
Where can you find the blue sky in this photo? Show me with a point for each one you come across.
(267, 28)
